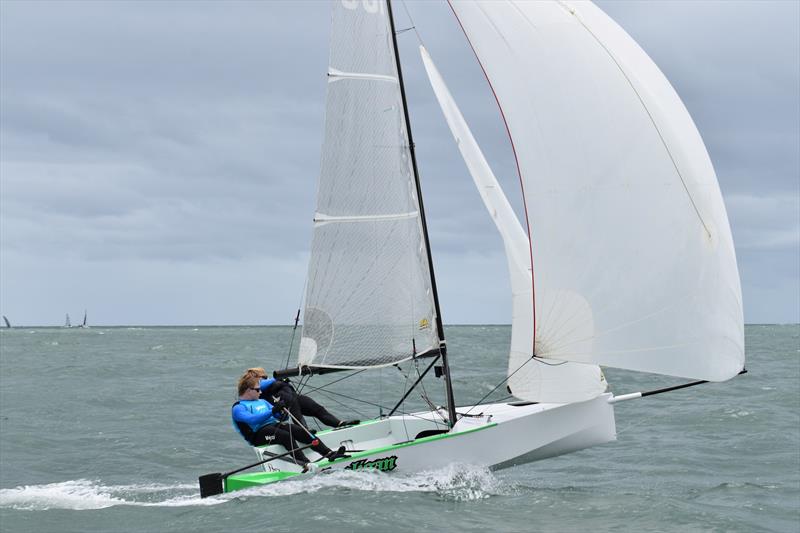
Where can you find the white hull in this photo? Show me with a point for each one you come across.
(503, 435)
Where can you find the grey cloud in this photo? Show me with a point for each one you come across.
(736, 66)
(765, 222)
(168, 152)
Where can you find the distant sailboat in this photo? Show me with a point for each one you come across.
(67, 324)
(83, 325)
(8, 324)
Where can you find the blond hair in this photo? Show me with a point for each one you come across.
(257, 371)
(247, 381)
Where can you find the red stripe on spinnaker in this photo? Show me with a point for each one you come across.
(519, 171)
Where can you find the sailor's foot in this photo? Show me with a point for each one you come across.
(338, 454)
(345, 423)
(310, 468)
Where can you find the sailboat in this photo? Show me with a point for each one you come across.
(624, 257)
(67, 323)
(5, 319)
(83, 324)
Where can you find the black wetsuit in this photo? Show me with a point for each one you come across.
(298, 404)
(256, 422)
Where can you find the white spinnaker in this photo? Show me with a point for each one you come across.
(369, 300)
(528, 379)
(633, 259)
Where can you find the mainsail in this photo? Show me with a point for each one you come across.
(369, 299)
(633, 264)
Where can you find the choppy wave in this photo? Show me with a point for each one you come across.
(458, 483)
(451, 483)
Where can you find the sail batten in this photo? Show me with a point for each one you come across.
(334, 75)
(323, 218)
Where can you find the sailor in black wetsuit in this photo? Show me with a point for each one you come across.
(298, 404)
(259, 422)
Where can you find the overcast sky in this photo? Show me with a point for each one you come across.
(158, 160)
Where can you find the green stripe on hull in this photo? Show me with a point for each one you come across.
(243, 481)
(255, 479)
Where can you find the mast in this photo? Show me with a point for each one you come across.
(451, 406)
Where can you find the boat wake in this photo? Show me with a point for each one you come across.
(456, 483)
(452, 483)
(84, 494)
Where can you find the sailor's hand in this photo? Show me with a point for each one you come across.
(278, 406)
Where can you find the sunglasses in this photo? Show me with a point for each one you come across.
(254, 388)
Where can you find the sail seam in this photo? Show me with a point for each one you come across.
(574, 13)
(519, 173)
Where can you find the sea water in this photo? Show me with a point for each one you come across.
(107, 429)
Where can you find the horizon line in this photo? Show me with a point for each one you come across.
(284, 325)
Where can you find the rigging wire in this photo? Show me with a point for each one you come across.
(328, 392)
(498, 385)
(296, 320)
(340, 379)
(424, 393)
(305, 382)
(405, 387)
(413, 26)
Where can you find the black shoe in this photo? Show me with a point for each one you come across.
(338, 454)
(345, 423)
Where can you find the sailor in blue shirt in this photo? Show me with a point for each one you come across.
(298, 404)
(259, 422)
